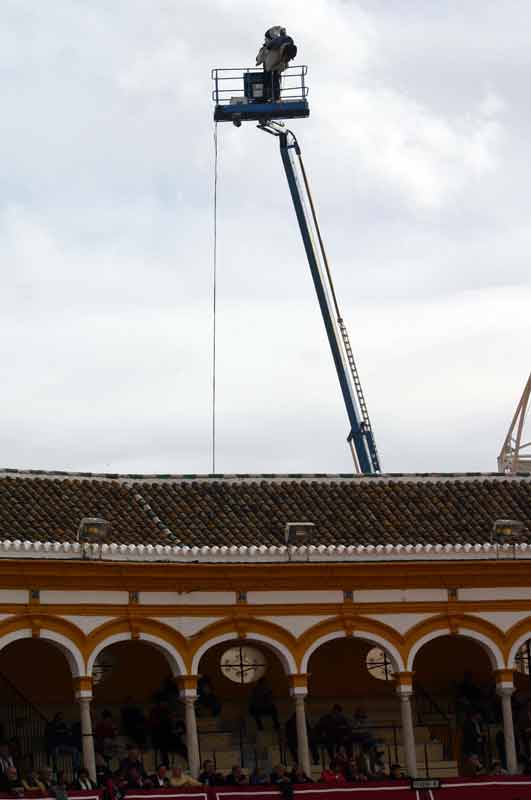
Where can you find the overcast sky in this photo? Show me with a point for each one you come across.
(418, 149)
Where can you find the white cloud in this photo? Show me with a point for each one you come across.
(417, 152)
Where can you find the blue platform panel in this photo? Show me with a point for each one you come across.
(261, 112)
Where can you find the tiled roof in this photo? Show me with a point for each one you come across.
(253, 509)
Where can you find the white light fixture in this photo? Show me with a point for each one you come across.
(298, 533)
(92, 529)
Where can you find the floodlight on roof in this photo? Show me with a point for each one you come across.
(507, 531)
(92, 529)
(298, 533)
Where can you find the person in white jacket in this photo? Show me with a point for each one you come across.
(275, 54)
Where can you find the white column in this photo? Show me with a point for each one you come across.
(408, 736)
(505, 692)
(84, 698)
(302, 731)
(192, 742)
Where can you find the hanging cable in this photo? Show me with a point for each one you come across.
(214, 296)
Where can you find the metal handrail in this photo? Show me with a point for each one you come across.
(222, 75)
(22, 697)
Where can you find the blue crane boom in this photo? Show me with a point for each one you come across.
(268, 114)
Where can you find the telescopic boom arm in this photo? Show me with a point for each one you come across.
(360, 438)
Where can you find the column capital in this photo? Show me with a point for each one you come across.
(403, 683)
(187, 686)
(504, 691)
(83, 687)
(298, 685)
(504, 678)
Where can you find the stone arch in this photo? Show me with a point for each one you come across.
(356, 627)
(516, 637)
(485, 633)
(169, 642)
(275, 638)
(62, 634)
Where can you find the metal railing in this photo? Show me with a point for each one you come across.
(229, 84)
(25, 722)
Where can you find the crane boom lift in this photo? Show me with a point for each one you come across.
(268, 114)
(360, 438)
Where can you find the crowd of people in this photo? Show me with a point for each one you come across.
(341, 770)
(132, 776)
(350, 743)
(478, 707)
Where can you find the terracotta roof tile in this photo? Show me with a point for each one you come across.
(195, 510)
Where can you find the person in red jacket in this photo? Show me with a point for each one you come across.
(332, 774)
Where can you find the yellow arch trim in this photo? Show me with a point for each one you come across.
(242, 627)
(348, 623)
(453, 625)
(36, 621)
(135, 626)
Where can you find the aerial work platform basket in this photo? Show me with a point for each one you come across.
(252, 94)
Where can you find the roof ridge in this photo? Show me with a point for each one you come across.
(131, 478)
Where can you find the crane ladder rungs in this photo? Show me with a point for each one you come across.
(354, 373)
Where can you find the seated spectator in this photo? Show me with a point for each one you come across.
(102, 770)
(262, 704)
(10, 782)
(352, 772)
(497, 769)
(46, 778)
(280, 775)
(132, 761)
(472, 766)
(134, 723)
(235, 777)
(395, 772)
(378, 767)
(206, 699)
(332, 774)
(209, 776)
(342, 758)
(59, 788)
(179, 778)
(160, 778)
(115, 786)
(83, 781)
(105, 735)
(6, 759)
(298, 775)
(135, 780)
(258, 777)
(31, 782)
(334, 730)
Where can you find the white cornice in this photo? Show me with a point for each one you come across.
(262, 554)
